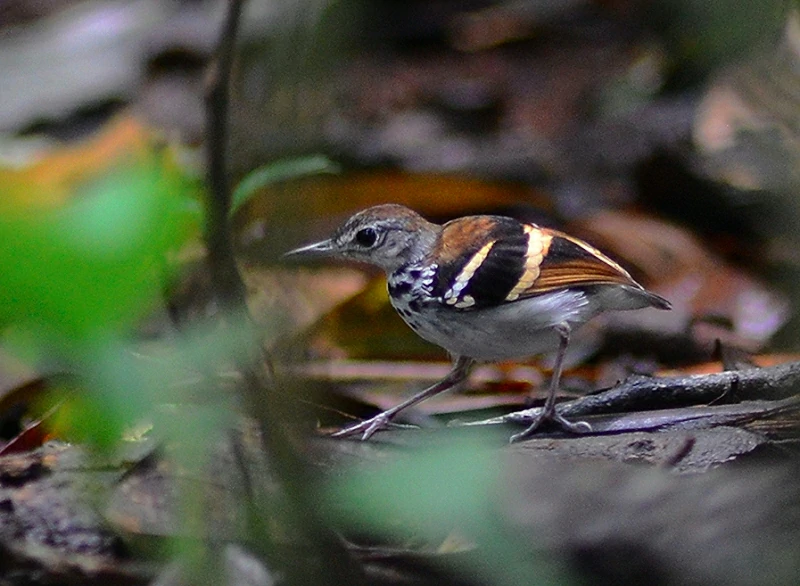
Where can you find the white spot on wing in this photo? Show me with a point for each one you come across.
(467, 301)
(463, 277)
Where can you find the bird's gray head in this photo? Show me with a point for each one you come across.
(388, 236)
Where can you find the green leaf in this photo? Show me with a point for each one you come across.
(173, 384)
(452, 486)
(96, 264)
(277, 172)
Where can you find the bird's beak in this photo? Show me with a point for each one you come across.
(323, 248)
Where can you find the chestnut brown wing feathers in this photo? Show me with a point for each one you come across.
(497, 260)
(570, 262)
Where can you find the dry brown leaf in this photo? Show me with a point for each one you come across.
(53, 178)
(304, 296)
(702, 286)
(322, 202)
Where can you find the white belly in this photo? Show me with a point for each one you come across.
(514, 330)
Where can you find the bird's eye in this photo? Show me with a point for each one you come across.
(366, 237)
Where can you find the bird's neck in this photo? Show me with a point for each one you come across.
(415, 251)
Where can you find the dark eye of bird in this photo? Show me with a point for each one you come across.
(366, 237)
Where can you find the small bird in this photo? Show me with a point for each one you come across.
(484, 288)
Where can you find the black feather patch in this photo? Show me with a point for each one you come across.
(396, 289)
(498, 273)
(563, 251)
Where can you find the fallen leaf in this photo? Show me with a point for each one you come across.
(705, 290)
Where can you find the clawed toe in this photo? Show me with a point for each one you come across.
(576, 427)
(366, 428)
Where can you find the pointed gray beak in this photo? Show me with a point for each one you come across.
(323, 248)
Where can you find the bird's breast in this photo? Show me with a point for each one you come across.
(510, 330)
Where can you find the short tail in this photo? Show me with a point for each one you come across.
(654, 300)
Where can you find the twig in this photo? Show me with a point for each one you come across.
(644, 393)
(333, 565)
(227, 282)
(686, 418)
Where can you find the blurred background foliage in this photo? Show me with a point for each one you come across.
(667, 132)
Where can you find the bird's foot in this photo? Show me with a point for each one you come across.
(576, 427)
(365, 428)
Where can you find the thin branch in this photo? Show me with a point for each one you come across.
(645, 393)
(333, 564)
(225, 276)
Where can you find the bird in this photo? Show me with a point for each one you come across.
(485, 288)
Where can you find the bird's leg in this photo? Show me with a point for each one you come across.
(549, 411)
(366, 428)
